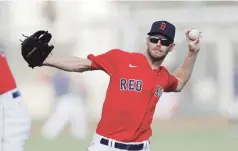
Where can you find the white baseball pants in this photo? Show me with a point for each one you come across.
(97, 146)
(15, 122)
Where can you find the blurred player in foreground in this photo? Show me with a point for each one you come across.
(15, 121)
(137, 81)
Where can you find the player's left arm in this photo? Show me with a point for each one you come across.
(184, 73)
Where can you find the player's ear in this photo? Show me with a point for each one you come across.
(147, 40)
(171, 47)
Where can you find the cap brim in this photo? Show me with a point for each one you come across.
(154, 33)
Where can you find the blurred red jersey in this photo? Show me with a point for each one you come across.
(132, 94)
(7, 81)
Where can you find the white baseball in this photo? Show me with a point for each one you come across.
(193, 34)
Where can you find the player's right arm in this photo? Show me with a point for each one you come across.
(107, 62)
(71, 64)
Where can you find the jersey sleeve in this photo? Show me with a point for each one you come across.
(172, 84)
(107, 62)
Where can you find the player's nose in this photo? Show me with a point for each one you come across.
(158, 44)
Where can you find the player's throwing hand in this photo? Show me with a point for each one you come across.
(193, 45)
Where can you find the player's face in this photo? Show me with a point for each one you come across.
(158, 47)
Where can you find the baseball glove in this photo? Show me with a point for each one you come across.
(35, 48)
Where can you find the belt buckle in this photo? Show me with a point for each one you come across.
(128, 147)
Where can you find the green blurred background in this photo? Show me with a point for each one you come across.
(181, 134)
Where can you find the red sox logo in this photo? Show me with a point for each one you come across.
(137, 86)
(162, 26)
(131, 85)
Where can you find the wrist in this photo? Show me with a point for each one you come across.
(44, 63)
(192, 53)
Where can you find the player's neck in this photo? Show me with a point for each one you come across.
(155, 64)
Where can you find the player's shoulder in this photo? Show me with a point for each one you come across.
(164, 69)
(119, 52)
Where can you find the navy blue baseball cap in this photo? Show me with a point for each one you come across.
(163, 27)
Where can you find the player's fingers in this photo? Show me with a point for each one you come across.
(187, 32)
(197, 41)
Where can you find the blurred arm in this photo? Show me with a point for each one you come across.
(71, 64)
(184, 73)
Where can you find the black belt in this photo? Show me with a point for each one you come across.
(123, 146)
(16, 94)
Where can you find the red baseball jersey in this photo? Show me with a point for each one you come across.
(7, 81)
(132, 94)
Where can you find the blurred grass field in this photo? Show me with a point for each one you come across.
(203, 134)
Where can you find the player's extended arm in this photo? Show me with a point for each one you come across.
(71, 64)
(184, 73)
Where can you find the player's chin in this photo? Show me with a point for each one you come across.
(158, 55)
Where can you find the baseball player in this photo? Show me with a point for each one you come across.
(137, 81)
(14, 118)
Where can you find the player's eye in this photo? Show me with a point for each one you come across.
(163, 42)
(154, 40)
